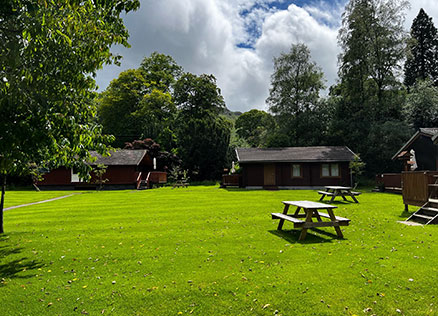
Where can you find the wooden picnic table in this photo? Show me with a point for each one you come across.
(308, 210)
(335, 190)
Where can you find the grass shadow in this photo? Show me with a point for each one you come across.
(12, 268)
(405, 214)
(237, 189)
(339, 202)
(292, 236)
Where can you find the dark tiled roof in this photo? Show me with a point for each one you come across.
(295, 154)
(429, 130)
(120, 157)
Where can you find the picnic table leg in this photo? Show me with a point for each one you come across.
(354, 198)
(316, 214)
(333, 196)
(309, 214)
(333, 218)
(322, 197)
(280, 224)
(297, 211)
(343, 196)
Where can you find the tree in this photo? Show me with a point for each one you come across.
(422, 51)
(139, 103)
(161, 71)
(372, 39)
(369, 93)
(117, 103)
(198, 95)
(253, 126)
(49, 54)
(202, 135)
(294, 93)
(164, 159)
(421, 107)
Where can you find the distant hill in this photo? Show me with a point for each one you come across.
(230, 114)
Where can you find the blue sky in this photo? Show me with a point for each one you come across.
(236, 40)
(254, 26)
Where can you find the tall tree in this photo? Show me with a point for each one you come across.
(372, 39)
(160, 71)
(369, 93)
(295, 86)
(202, 134)
(49, 54)
(117, 103)
(139, 104)
(422, 60)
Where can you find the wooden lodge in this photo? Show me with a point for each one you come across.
(125, 169)
(421, 150)
(295, 167)
(418, 182)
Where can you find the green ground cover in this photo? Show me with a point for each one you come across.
(19, 197)
(210, 251)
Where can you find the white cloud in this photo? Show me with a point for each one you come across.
(202, 36)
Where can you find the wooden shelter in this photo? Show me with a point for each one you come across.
(295, 167)
(125, 169)
(425, 151)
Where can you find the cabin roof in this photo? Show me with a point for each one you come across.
(120, 157)
(295, 154)
(431, 132)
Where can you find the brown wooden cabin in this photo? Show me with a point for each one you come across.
(426, 151)
(416, 184)
(295, 167)
(125, 169)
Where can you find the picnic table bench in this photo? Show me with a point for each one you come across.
(335, 191)
(310, 210)
(180, 184)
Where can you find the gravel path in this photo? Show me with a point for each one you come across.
(39, 202)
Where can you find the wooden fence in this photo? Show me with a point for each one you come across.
(416, 186)
(391, 182)
(230, 180)
(156, 177)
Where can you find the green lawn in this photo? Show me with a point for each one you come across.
(26, 196)
(209, 251)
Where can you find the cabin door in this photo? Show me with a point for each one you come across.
(269, 174)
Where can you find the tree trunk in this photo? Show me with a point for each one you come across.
(2, 203)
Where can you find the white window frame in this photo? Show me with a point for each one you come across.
(293, 169)
(330, 168)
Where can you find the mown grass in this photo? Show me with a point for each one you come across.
(19, 197)
(210, 251)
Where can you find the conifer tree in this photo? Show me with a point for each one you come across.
(422, 51)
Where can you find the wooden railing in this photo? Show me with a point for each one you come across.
(138, 180)
(156, 177)
(230, 180)
(416, 189)
(391, 182)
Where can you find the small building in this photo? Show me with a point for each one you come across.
(420, 152)
(295, 167)
(125, 169)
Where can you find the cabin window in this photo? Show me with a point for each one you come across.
(330, 170)
(296, 171)
(75, 175)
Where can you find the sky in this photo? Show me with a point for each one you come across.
(237, 40)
